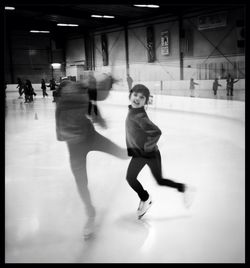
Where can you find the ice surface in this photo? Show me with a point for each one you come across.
(44, 216)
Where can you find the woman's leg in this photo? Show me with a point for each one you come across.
(78, 154)
(101, 143)
(135, 166)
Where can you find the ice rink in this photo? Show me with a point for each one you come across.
(44, 216)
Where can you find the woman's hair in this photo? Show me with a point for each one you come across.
(139, 88)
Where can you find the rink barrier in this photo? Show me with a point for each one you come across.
(174, 88)
(220, 107)
(225, 108)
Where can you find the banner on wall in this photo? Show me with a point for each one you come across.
(212, 21)
(165, 43)
(104, 50)
(150, 44)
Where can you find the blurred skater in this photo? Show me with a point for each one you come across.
(53, 86)
(20, 86)
(92, 105)
(43, 87)
(230, 85)
(192, 87)
(129, 81)
(92, 93)
(216, 85)
(75, 128)
(28, 91)
(31, 90)
(142, 136)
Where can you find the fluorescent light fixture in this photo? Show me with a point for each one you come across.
(149, 6)
(153, 6)
(9, 8)
(102, 16)
(65, 24)
(37, 31)
(108, 17)
(56, 65)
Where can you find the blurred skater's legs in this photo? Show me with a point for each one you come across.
(101, 143)
(78, 154)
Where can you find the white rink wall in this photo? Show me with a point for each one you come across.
(225, 108)
(211, 106)
(174, 88)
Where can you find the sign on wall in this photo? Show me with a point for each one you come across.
(165, 43)
(212, 21)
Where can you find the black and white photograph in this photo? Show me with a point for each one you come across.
(124, 132)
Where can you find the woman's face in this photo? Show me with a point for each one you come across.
(137, 100)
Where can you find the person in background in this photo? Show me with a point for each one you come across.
(92, 93)
(231, 83)
(228, 84)
(32, 91)
(20, 86)
(75, 128)
(52, 86)
(142, 136)
(43, 87)
(129, 81)
(192, 87)
(28, 91)
(216, 85)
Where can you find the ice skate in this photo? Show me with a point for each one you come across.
(143, 207)
(88, 230)
(188, 195)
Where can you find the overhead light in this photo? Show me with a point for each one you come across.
(9, 8)
(56, 65)
(153, 6)
(65, 24)
(108, 17)
(37, 31)
(149, 6)
(102, 16)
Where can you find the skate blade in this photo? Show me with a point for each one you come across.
(139, 217)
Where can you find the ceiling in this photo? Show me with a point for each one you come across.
(45, 15)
